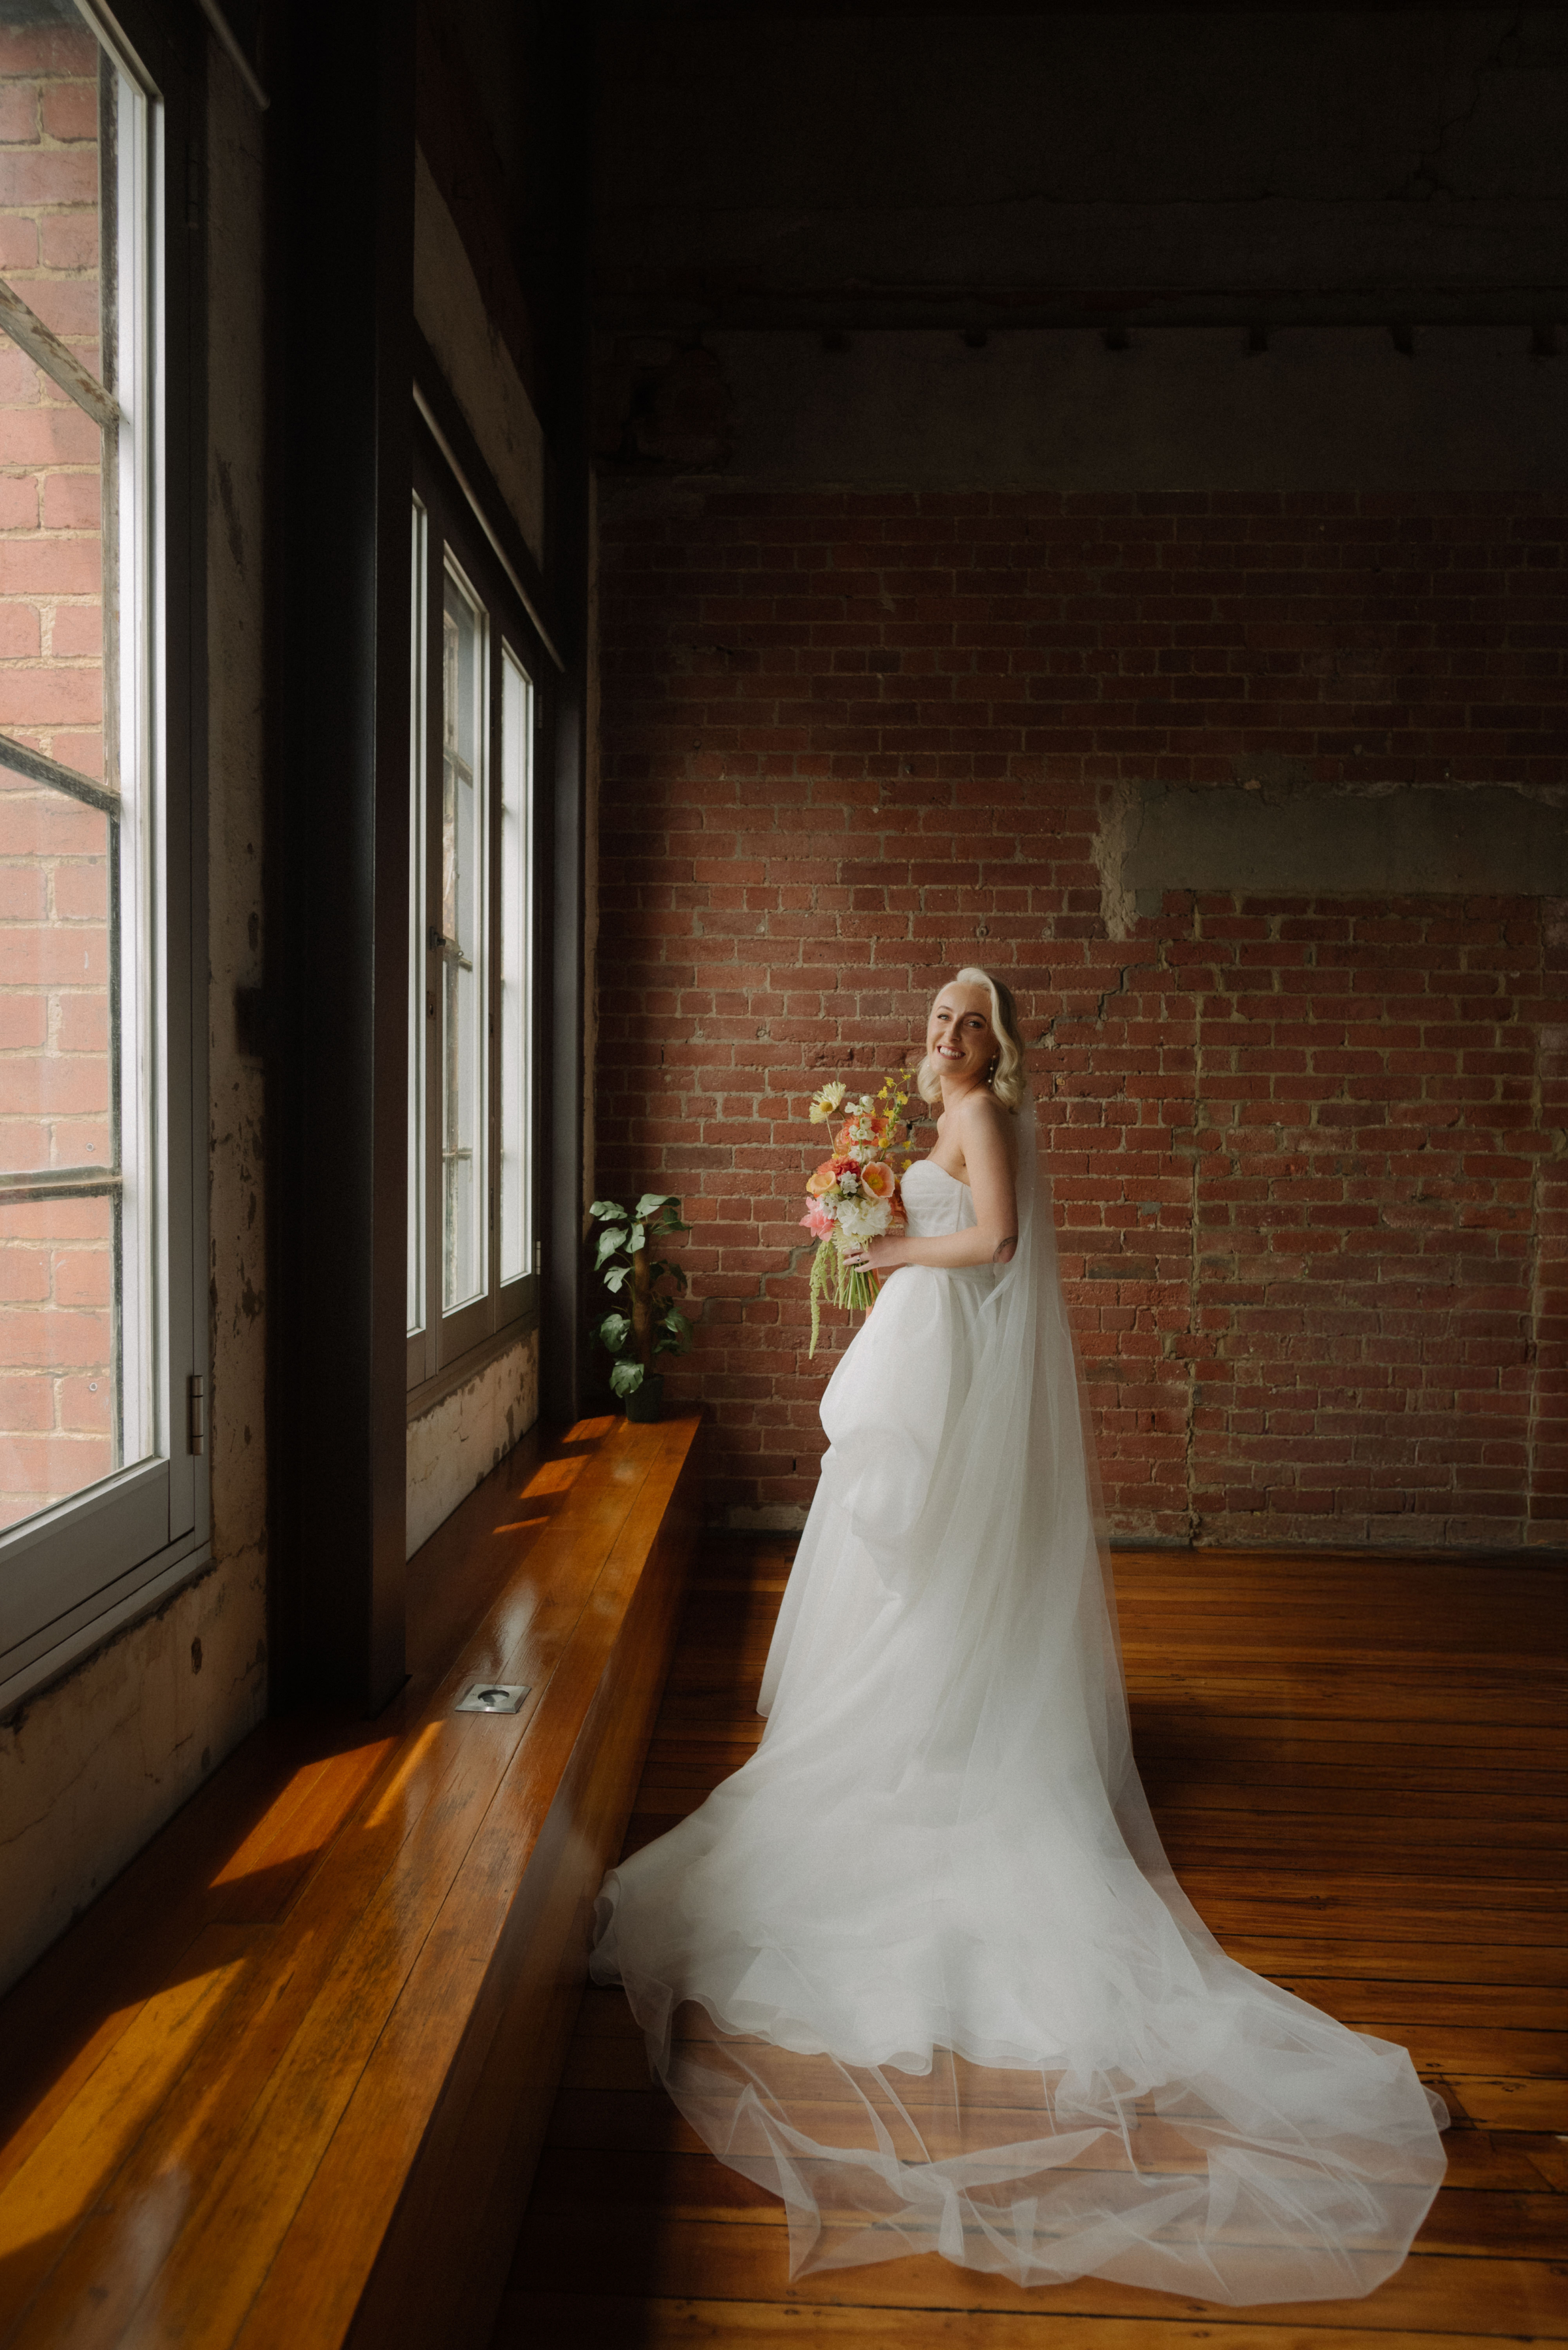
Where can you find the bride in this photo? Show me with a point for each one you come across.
(920, 1968)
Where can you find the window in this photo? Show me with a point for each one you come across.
(99, 1491)
(475, 715)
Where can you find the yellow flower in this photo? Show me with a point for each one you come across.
(825, 1103)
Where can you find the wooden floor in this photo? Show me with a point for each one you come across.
(1358, 1770)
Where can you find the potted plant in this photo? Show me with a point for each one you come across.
(646, 1322)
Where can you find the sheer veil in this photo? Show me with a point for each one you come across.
(921, 1967)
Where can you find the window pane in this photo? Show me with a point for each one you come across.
(416, 1278)
(60, 1401)
(517, 811)
(464, 1027)
(57, 963)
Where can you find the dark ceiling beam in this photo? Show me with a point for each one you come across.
(651, 307)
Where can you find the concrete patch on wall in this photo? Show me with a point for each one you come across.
(1264, 839)
(1109, 849)
(460, 1440)
(91, 1766)
(1177, 408)
(483, 377)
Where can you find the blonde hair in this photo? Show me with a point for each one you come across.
(1006, 1079)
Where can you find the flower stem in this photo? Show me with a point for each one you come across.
(856, 1287)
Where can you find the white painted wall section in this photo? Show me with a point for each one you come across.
(460, 1440)
(90, 1768)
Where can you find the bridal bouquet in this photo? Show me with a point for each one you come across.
(854, 1195)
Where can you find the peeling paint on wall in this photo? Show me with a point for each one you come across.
(458, 1443)
(90, 1768)
(236, 915)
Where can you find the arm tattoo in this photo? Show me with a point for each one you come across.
(1004, 1248)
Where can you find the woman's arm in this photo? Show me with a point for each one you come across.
(984, 1138)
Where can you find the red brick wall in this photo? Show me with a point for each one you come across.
(1302, 1150)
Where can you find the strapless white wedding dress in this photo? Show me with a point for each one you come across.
(921, 1967)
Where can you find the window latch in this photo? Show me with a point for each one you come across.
(196, 1412)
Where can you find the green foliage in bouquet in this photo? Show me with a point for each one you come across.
(648, 1322)
(827, 1278)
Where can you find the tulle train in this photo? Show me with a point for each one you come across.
(921, 1968)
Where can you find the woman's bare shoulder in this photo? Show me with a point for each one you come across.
(979, 1112)
(984, 1127)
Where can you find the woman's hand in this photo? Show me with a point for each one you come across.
(882, 1254)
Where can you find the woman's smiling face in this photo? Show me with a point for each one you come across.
(960, 1038)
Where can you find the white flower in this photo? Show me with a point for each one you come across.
(862, 1219)
(825, 1103)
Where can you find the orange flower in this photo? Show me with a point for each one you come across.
(821, 1181)
(878, 1180)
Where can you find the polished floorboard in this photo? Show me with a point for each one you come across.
(1357, 1765)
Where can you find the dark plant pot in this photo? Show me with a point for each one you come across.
(647, 1401)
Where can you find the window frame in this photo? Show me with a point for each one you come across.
(74, 1573)
(449, 1347)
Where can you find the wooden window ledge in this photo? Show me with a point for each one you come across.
(284, 2082)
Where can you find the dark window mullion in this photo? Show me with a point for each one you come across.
(435, 1070)
(493, 972)
(116, 1147)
